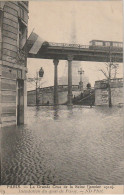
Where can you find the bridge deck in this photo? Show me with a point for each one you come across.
(36, 47)
(79, 54)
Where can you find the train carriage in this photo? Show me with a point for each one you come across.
(106, 45)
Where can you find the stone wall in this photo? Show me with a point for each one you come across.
(12, 59)
(101, 92)
(45, 95)
(31, 97)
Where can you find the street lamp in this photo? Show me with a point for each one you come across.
(81, 83)
(37, 79)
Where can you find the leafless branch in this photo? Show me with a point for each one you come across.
(104, 73)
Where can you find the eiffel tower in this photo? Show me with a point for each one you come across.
(76, 65)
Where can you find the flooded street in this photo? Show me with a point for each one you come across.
(78, 145)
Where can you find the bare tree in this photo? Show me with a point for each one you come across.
(110, 72)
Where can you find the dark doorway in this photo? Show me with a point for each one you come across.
(20, 102)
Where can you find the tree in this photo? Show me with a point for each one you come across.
(110, 72)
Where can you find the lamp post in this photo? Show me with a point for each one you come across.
(81, 83)
(37, 79)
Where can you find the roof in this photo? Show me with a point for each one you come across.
(106, 41)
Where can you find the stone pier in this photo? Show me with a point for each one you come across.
(70, 58)
(55, 61)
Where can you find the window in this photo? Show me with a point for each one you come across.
(107, 43)
(120, 45)
(91, 42)
(22, 33)
(115, 45)
(99, 43)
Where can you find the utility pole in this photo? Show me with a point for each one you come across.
(109, 80)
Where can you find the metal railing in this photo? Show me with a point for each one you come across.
(91, 47)
(60, 87)
(112, 80)
(68, 45)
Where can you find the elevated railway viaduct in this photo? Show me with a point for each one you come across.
(71, 52)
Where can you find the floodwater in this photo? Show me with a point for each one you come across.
(65, 145)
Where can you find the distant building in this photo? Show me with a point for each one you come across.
(13, 62)
(101, 92)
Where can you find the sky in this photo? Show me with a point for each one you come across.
(53, 21)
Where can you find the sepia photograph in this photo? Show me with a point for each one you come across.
(61, 92)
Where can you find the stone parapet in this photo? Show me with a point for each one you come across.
(45, 95)
(60, 88)
(103, 84)
(101, 92)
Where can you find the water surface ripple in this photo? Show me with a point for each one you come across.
(57, 146)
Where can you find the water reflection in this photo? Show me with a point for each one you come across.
(56, 112)
(70, 111)
(37, 111)
(65, 145)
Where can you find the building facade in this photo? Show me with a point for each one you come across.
(101, 92)
(13, 61)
